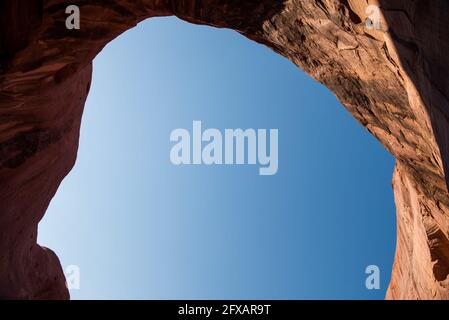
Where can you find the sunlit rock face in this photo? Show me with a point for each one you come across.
(391, 74)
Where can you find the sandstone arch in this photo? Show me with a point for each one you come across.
(394, 82)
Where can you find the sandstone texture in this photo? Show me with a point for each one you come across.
(393, 78)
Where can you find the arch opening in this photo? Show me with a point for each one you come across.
(218, 232)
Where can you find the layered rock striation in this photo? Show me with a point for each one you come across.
(390, 74)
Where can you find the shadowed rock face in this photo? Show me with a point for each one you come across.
(393, 80)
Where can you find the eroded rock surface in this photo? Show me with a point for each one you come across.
(393, 79)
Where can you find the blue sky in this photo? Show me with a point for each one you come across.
(139, 227)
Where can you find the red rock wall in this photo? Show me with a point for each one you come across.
(394, 81)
